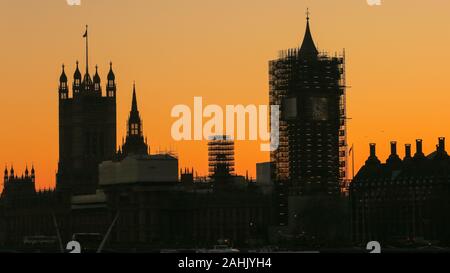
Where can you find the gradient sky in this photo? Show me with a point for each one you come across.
(397, 66)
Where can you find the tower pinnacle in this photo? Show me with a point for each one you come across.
(134, 107)
(308, 48)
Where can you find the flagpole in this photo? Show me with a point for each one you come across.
(87, 50)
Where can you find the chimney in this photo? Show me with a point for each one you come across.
(408, 151)
(373, 160)
(394, 160)
(441, 146)
(419, 149)
(373, 150)
(393, 148)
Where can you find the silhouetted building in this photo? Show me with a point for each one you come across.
(96, 184)
(26, 212)
(187, 177)
(18, 186)
(264, 176)
(135, 143)
(310, 88)
(221, 156)
(87, 130)
(403, 200)
(133, 163)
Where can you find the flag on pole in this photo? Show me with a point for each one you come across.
(86, 33)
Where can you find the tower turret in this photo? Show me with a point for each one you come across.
(5, 177)
(33, 174)
(111, 84)
(87, 84)
(11, 172)
(97, 86)
(76, 81)
(63, 88)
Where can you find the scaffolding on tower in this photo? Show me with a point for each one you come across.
(343, 143)
(221, 156)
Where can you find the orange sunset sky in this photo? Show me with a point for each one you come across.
(398, 58)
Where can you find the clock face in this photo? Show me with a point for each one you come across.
(319, 108)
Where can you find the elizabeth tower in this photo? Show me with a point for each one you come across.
(310, 88)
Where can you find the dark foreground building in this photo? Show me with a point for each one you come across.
(153, 211)
(403, 201)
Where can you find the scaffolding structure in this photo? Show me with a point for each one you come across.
(221, 156)
(343, 143)
(311, 152)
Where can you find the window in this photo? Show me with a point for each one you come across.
(134, 129)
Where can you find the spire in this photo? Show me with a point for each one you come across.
(63, 89)
(96, 79)
(77, 74)
(111, 75)
(308, 48)
(134, 143)
(63, 77)
(96, 76)
(111, 85)
(134, 121)
(33, 174)
(134, 107)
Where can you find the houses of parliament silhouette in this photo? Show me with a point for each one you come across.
(139, 200)
(96, 182)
